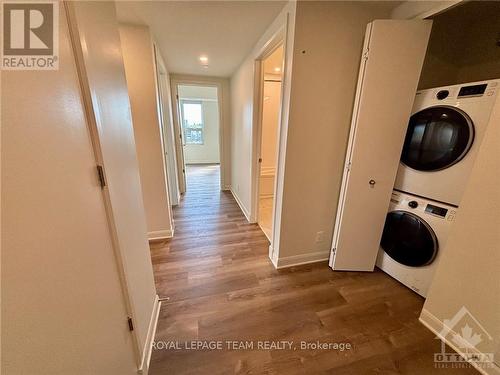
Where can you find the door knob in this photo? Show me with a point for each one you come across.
(372, 183)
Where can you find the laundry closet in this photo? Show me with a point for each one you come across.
(425, 93)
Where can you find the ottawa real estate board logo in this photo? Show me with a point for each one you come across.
(30, 35)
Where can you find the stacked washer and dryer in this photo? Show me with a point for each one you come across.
(443, 137)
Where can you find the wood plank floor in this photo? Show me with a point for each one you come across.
(222, 286)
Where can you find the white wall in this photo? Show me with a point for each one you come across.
(208, 152)
(468, 272)
(139, 63)
(327, 51)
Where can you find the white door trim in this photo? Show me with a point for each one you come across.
(274, 42)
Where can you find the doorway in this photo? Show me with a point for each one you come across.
(271, 108)
(199, 127)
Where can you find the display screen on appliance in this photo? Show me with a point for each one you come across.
(472, 90)
(440, 211)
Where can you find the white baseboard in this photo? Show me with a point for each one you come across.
(433, 324)
(195, 162)
(242, 206)
(148, 346)
(160, 234)
(297, 260)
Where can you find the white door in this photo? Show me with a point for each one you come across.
(95, 29)
(179, 139)
(167, 128)
(392, 59)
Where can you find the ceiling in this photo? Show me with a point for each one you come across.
(223, 31)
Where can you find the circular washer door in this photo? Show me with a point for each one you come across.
(437, 138)
(408, 239)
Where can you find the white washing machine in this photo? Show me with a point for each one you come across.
(444, 134)
(414, 236)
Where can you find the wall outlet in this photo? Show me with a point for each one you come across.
(320, 236)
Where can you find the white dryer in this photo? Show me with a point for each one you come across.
(414, 236)
(443, 137)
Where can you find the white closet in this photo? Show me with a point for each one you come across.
(392, 59)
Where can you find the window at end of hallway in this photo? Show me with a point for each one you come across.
(192, 122)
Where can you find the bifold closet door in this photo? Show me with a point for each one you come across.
(392, 59)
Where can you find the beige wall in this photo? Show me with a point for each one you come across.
(139, 62)
(462, 47)
(63, 309)
(208, 152)
(468, 274)
(242, 97)
(328, 41)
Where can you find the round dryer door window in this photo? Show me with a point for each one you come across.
(437, 138)
(408, 239)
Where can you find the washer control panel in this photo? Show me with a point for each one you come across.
(436, 210)
(411, 203)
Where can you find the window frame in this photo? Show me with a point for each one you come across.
(185, 128)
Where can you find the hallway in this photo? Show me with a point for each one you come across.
(222, 286)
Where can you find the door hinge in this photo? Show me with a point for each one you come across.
(130, 324)
(183, 170)
(100, 175)
(260, 160)
(348, 166)
(177, 96)
(365, 54)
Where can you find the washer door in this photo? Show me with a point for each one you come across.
(437, 138)
(408, 239)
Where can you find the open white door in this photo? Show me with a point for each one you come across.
(393, 55)
(167, 128)
(179, 140)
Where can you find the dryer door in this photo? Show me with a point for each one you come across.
(408, 239)
(437, 137)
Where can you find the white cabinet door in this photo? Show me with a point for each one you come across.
(393, 55)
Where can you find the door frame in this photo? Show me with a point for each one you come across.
(279, 38)
(274, 44)
(175, 81)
